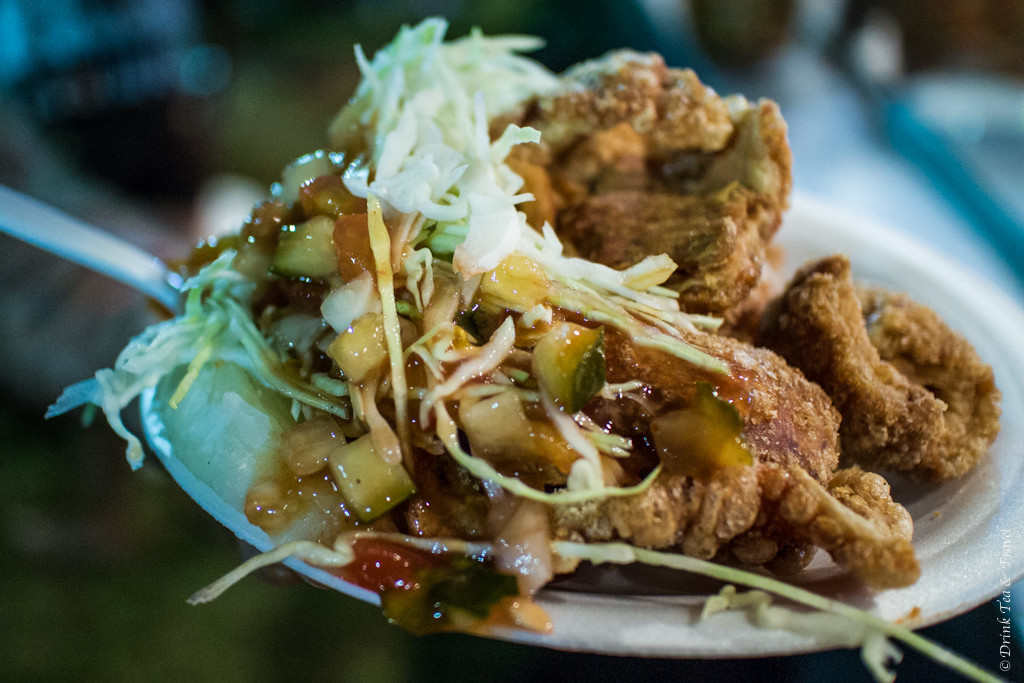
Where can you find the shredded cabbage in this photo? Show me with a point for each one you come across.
(487, 359)
(380, 243)
(841, 624)
(349, 302)
(480, 468)
(422, 112)
(825, 627)
(213, 326)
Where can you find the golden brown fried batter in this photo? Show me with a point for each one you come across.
(636, 159)
(743, 320)
(878, 552)
(771, 513)
(920, 345)
(694, 516)
(914, 396)
(853, 519)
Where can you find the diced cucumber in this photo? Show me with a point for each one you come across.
(495, 425)
(568, 362)
(369, 485)
(304, 169)
(500, 432)
(360, 348)
(307, 250)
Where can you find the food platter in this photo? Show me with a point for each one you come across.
(969, 534)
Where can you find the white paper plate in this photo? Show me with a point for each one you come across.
(969, 534)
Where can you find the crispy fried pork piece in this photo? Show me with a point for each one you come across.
(717, 251)
(771, 513)
(923, 348)
(636, 158)
(743, 320)
(853, 519)
(914, 396)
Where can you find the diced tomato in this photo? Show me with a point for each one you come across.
(352, 240)
(383, 565)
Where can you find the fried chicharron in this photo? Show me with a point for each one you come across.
(914, 396)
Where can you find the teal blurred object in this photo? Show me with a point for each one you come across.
(111, 81)
(957, 113)
(979, 160)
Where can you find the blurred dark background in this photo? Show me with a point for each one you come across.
(163, 120)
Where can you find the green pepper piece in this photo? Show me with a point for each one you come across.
(451, 598)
